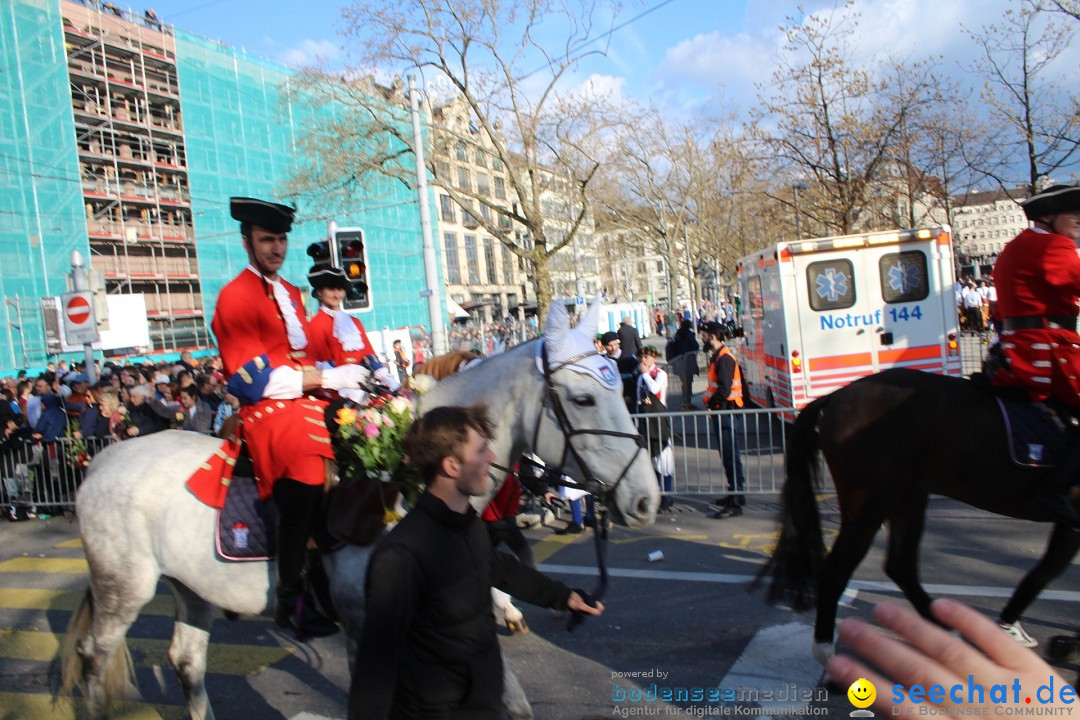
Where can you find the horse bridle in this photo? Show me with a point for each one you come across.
(591, 483)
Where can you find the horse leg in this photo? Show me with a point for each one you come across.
(847, 552)
(1060, 551)
(187, 652)
(108, 675)
(902, 557)
(514, 701)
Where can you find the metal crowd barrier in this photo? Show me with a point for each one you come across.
(42, 477)
(758, 435)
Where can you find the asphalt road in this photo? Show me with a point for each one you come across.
(687, 621)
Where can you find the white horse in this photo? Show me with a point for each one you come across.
(140, 524)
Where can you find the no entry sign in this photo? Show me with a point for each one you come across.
(78, 312)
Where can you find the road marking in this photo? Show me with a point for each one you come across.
(68, 566)
(30, 705)
(871, 585)
(775, 671)
(74, 543)
(655, 538)
(226, 658)
(552, 544)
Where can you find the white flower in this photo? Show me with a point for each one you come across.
(401, 406)
(422, 383)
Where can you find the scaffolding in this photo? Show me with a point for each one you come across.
(129, 130)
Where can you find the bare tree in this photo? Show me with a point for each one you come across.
(1068, 7)
(829, 125)
(1035, 123)
(493, 90)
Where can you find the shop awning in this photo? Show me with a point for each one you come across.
(455, 310)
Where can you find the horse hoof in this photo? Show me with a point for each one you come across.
(517, 627)
(823, 652)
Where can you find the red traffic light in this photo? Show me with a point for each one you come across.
(351, 249)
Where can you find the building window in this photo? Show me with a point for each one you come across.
(471, 260)
(453, 269)
(500, 188)
(463, 178)
(482, 184)
(508, 267)
(489, 260)
(461, 154)
(496, 164)
(480, 158)
(442, 170)
(446, 207)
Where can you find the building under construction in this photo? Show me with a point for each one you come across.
(123, 137)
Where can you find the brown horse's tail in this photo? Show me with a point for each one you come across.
(800, 553)
(119, 682)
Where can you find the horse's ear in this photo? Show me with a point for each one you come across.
(557, 324)
(590, 321)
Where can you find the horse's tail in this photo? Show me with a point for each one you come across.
(800, 553)
(118, 685)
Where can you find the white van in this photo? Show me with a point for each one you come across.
(818, 314)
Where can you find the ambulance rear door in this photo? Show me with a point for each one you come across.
(840, 316)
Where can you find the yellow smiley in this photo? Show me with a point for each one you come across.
(862, 693)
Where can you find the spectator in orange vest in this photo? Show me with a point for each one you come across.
(724, 392)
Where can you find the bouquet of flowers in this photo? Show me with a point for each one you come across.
(372, 439)
(76, 452)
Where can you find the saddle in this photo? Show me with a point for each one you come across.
(246, 526)
(1039, 434)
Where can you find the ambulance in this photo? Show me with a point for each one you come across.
(818, 314)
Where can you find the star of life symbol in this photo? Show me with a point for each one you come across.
(904, 277)
(832, 285)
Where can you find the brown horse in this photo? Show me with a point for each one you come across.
(890, 440)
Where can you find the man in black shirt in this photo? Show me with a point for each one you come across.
(428, 647)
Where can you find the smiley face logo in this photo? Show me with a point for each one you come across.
(862, 693)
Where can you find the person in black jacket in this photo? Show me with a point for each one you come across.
(681, 354)
(428, 647)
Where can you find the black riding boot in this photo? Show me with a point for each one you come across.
(732, 507)
(297, 504)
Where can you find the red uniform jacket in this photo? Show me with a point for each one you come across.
(285, 438)
(324, 346)
(1038, 275)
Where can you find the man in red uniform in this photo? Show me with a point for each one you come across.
(262, 334)
(1037, 277)
(338, 338)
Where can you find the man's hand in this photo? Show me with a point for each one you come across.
(576, 603)
(346, 376)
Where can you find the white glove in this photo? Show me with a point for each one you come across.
(357, 396)
(346, 376)
(383, 376)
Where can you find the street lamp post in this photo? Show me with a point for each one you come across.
(795, 188)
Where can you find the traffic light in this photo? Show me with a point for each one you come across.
(320, 254)
(353, 257)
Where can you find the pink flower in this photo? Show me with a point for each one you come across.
(371, 430)
(387, 421)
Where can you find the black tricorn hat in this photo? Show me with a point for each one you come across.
(609, 337)
(327, 277)
(1054, 199)
(274, 217)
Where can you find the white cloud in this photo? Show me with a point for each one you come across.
(606, 86)
(716, 63)
(310, 52)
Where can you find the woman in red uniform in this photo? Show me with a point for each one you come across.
(1038, 282)
(338, 338)
(1037, 277)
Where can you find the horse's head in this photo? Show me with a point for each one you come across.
(585, 427)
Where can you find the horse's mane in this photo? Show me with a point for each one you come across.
(442, 366)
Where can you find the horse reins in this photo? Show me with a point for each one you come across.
(591, 483)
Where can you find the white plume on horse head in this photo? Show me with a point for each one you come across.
(565, 343)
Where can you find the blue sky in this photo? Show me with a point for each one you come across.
(682, 54)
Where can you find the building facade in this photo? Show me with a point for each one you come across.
(123, 138)
(482, 274)
(983, 222)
